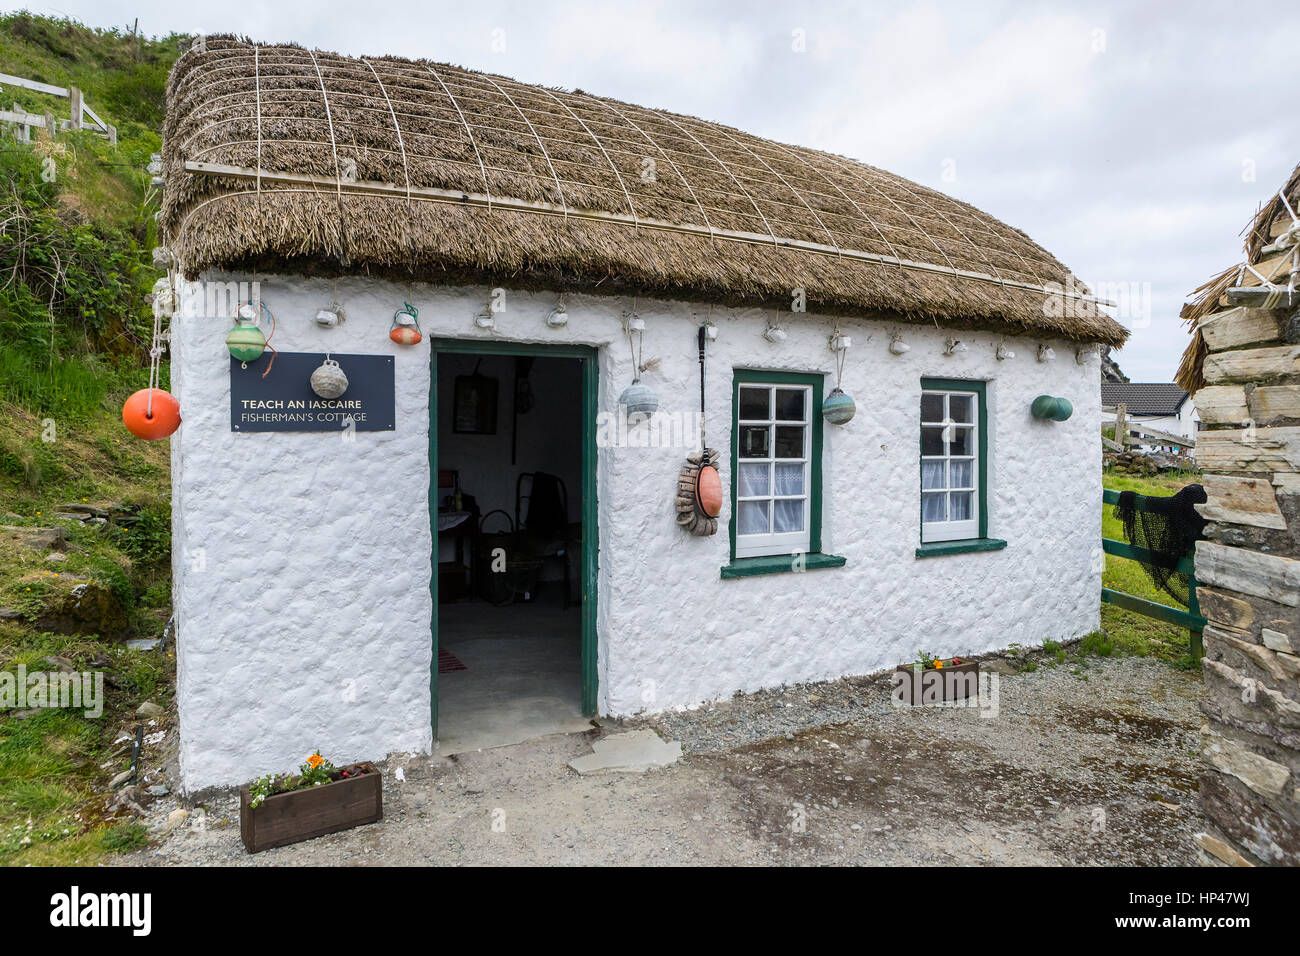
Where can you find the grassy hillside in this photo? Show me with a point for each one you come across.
(76, 232)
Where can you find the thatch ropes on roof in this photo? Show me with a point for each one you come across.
(282, 158)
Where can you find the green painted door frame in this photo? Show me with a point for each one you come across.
(590, 528)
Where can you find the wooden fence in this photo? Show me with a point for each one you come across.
(1190, 619)
(1136, 433)
(82, 116)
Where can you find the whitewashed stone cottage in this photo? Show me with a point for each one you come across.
(475, 542)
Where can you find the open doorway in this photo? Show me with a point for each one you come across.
(514, 557)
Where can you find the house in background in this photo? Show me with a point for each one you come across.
(1162, 406)
(544, 236)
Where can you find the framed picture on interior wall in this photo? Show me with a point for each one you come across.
(474, 411)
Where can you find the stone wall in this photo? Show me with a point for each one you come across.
(1250, 450)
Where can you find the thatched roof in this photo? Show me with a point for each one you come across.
(419, 170)
(1270, 222)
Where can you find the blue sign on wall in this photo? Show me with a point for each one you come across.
(283, 401)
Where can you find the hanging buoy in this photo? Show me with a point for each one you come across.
(639, 400)
(838, 408)
(151, 420)
(699, 493)
(328, 381)
(405, 329)
(708, 491)
(245, 341)
(699, 489)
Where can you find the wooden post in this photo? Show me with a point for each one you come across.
(1121, 423)
(74, 95)
(50, 126)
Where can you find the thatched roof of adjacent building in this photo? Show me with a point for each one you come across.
(279, 158)
(1272, 221)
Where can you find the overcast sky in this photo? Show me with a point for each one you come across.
(1133, 141)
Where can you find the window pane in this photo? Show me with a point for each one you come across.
(959, 506)
(961, 443)
(754, 404)
(753, 441)
(932, 441)
(789, 441)
(961, 408)
(751, 517)
(931, 408)
(789, 479)
(932, 474)
(788, 515)
(753, 480)
(961, 474)
(789, 404)
(932, 507)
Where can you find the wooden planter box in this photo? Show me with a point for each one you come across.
(306, 814)
(952, 682)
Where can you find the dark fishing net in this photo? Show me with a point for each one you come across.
(1166, 527)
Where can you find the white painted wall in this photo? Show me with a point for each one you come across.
(308, 624)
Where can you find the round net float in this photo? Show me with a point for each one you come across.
(245, 341)
(639, 400)
(151, 420)
(838, 408)
(699, 493)
(405, 329)
(328, 381)
(708, 491)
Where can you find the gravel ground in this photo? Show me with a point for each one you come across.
(1090, 768)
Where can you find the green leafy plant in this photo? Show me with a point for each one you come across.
(1096, 644)
(313, 773)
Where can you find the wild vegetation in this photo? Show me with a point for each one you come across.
(77, 229)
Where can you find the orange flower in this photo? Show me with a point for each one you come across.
(315, 760)
(938, 663)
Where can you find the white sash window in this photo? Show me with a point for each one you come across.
(951, 496)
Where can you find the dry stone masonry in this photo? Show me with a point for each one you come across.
(1249, 565)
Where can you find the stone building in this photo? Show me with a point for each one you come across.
(1244, 366)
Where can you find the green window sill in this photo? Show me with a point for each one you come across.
(779, 564)
(937, 549)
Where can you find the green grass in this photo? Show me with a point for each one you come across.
(1129, 632)
(74, 333)
(53, 763)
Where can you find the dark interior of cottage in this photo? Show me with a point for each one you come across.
(509, 548)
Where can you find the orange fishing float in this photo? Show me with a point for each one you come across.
(151, 414)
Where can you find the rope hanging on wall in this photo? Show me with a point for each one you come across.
(699, 488)
(152, 413)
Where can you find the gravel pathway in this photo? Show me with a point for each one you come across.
(1076, 767)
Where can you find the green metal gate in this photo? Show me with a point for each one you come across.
(1190, 619)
